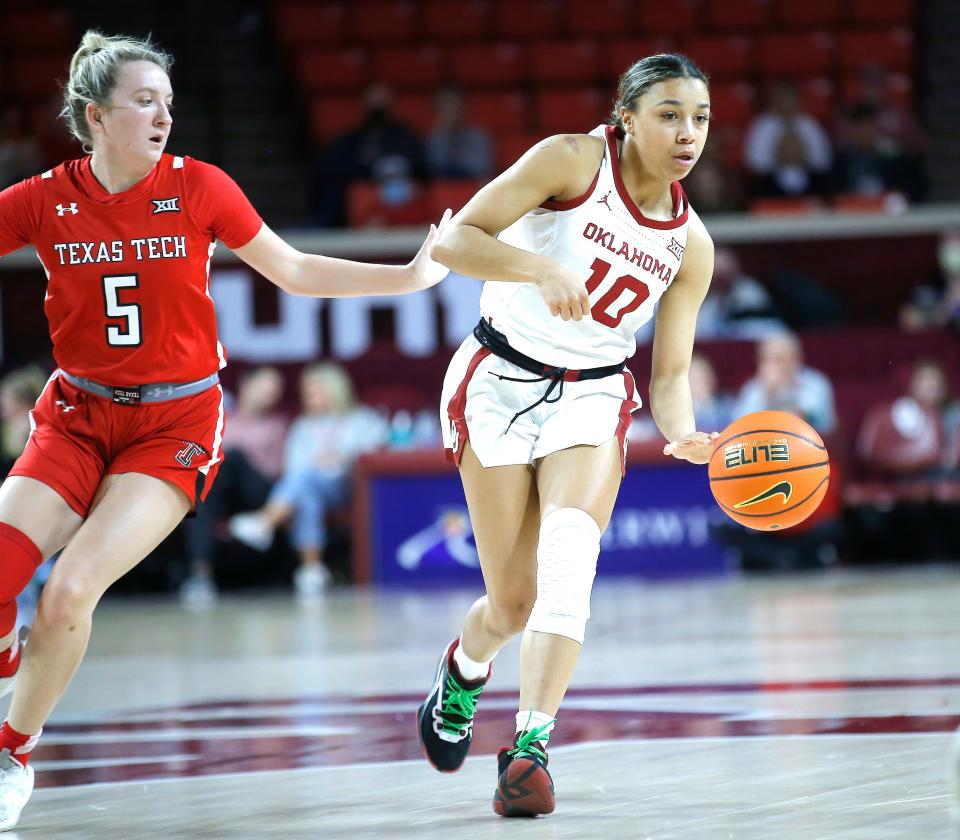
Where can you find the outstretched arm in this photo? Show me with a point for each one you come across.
(315, 275)
(670, 400)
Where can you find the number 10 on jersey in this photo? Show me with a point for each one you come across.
(626, 290)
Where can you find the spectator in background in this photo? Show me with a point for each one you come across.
(381, 149)
(786, 150)
(253, 461)
(736, 305)
(322, 445)
(19, 157)
(19, 391)
(783, 383)
(930, 388)
(896, 124)
(456, 149)
(937, 304)
(868, 163)
(712, 186)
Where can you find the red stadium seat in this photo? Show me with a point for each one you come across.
(333, 70)
(818, 98)
(598, 17)
(379, 21)
(785, 206)
(47, 29)
(409, 67)
(417, 110)
(566, 62)
(452, 194)
(732, 103)
(809, 12)
(34, 75)
(797, 55)
(722, 57)
(884, 11)
(899, 89)
(739, 14)
(890, 48)
(619, 55)
(669, 18)
(498, 112)
(526, 20)
(569, 110)
(303, 22)
(332, 116)
(447, 20)
(486, 65)
(511, 147)
(856, 203)
(365, 208)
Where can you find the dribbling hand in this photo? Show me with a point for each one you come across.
(564, 293)
(427, 271)
(695, 448)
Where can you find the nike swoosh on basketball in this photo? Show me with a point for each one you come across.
(783, 488)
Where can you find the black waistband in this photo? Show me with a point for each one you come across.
(497, 343)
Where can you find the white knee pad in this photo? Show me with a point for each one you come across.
(566, 565)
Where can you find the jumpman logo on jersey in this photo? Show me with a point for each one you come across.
(70, 208)
(65, 408)
(676, 248)
(605, 200)
(186, 455)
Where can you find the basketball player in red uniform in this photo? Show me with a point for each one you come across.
(127, 433)
(577, 241)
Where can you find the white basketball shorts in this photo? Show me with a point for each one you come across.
(478, 406)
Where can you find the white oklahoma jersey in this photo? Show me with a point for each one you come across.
(626, 260)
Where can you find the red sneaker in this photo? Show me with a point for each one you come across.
(524, 785)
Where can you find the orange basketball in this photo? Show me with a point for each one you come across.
(769, 470)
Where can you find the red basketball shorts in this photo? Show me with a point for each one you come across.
(79, 437)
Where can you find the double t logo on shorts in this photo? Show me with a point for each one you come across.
(186, 455)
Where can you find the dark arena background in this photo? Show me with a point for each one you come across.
(799, 685)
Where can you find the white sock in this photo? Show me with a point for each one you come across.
(470, 669)
(528, 719)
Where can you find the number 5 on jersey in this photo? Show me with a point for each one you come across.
(127, 334)
(627, 292)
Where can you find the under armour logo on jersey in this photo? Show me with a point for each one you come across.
(65, 408)
(70, 208)
(186, 455)
(166, 205)
(605, 200)
(676, 248)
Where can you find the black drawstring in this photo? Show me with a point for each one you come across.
(555, 376)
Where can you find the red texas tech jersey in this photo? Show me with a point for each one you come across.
(128, 299)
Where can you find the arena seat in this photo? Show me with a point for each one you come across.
(498, 111)
(409, 67)
(302, 23)
(385, 21)
(461, 21)
(669, 18)
(883, 11)
(598, 17)
(890, 48)
(797, 55)
(808, 12)
(331, 116)
(739, 14)
(498, 64)
(618, 55)
(532, 19)
(563, 62)
(726, 56)
(569, 110)
(333, 70)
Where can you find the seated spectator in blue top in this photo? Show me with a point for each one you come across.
(457, 149)
(783, 383)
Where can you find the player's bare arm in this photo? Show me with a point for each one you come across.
(314, 275)
(670, 400)
(560, 168)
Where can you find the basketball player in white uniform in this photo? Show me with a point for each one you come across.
(578, 242)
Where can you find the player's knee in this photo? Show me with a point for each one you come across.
(19, 558)
(66, 600)
(509, 616)
(566, 565)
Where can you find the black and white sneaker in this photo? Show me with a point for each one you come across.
(445, 718)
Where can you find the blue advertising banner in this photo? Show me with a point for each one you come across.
(420, 531)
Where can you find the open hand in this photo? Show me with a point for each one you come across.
(695, 448)
(426, 271)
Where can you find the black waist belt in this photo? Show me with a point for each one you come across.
(496, 342)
